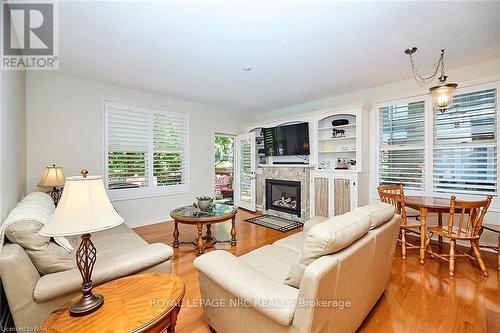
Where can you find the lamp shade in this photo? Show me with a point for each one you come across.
(84, 208)
(442, 96)
(53, 176)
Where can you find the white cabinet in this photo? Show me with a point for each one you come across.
(344, 144)
(333, 193)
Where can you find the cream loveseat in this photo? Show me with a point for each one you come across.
(27, 258)
(324, 279)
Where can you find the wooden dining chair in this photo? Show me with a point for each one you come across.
(467, 227)
(394, 195)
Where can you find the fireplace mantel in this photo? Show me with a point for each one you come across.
(311, 166)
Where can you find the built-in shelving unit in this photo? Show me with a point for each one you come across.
(260, 156)
(335, 191)
(337, 148)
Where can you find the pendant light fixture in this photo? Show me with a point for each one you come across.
(442, 94)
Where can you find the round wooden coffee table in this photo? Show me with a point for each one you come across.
(192, 215)
(146, 302)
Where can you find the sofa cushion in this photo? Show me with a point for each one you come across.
(293, 242)
(313, 221)
(379, 213)
(115, 241)
(130, 262)
(49, 255)
(46, 255)
(272, 260)
(327, 238)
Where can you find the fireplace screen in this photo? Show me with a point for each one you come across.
(283, 195)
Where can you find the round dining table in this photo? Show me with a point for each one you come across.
(427, 204)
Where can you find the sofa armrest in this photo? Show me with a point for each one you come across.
(275, 300)
(58, 284)
(19, 277)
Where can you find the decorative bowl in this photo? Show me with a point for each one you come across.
(340, 122)
(204, 203)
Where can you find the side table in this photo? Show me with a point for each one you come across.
(146, 302)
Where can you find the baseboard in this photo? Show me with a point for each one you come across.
(144, 222)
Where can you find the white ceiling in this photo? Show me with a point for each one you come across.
(298, 51)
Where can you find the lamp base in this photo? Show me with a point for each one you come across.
(86, 305)
(56, 194)
(85, 260)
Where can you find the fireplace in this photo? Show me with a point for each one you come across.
(283, 195)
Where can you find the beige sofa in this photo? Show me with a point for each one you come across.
(32, 296)
(343, 277)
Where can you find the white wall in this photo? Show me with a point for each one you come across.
(12, 140)
(382, 93)
(12, 136)
(486, 71)
(65, 127)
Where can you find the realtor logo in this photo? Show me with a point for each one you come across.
(29, 36)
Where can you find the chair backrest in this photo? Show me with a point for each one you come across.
(475, 210)
(394, 195)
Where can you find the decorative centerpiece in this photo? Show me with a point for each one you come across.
(204, 203)
(341, 165)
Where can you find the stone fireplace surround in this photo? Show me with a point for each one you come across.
(299, 173)
(283, 195)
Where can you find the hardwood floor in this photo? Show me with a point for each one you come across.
(419, 298)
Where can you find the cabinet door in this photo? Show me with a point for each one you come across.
(322, 197)
(332, 195)
(342, 189)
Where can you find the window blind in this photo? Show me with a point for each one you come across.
(145, 148)
(401, 155)
(128, 135)
(465, 150)
(169, 144)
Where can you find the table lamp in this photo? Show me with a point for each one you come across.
(53, 177)
(84, 208)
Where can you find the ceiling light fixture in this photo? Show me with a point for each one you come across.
(442, 94)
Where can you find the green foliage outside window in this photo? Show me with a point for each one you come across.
(223, 149)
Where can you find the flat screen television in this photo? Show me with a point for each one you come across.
(287, 140)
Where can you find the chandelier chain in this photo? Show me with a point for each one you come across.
(422, 79)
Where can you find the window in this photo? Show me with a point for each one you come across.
(401, 156)
(146, 151)
(465, 149)
(457, 154)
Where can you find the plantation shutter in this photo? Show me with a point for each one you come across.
(401, 155)
(146, 149)
(465, 151)
(127, 150)
(169, 145)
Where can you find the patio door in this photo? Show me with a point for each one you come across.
(245, 171)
